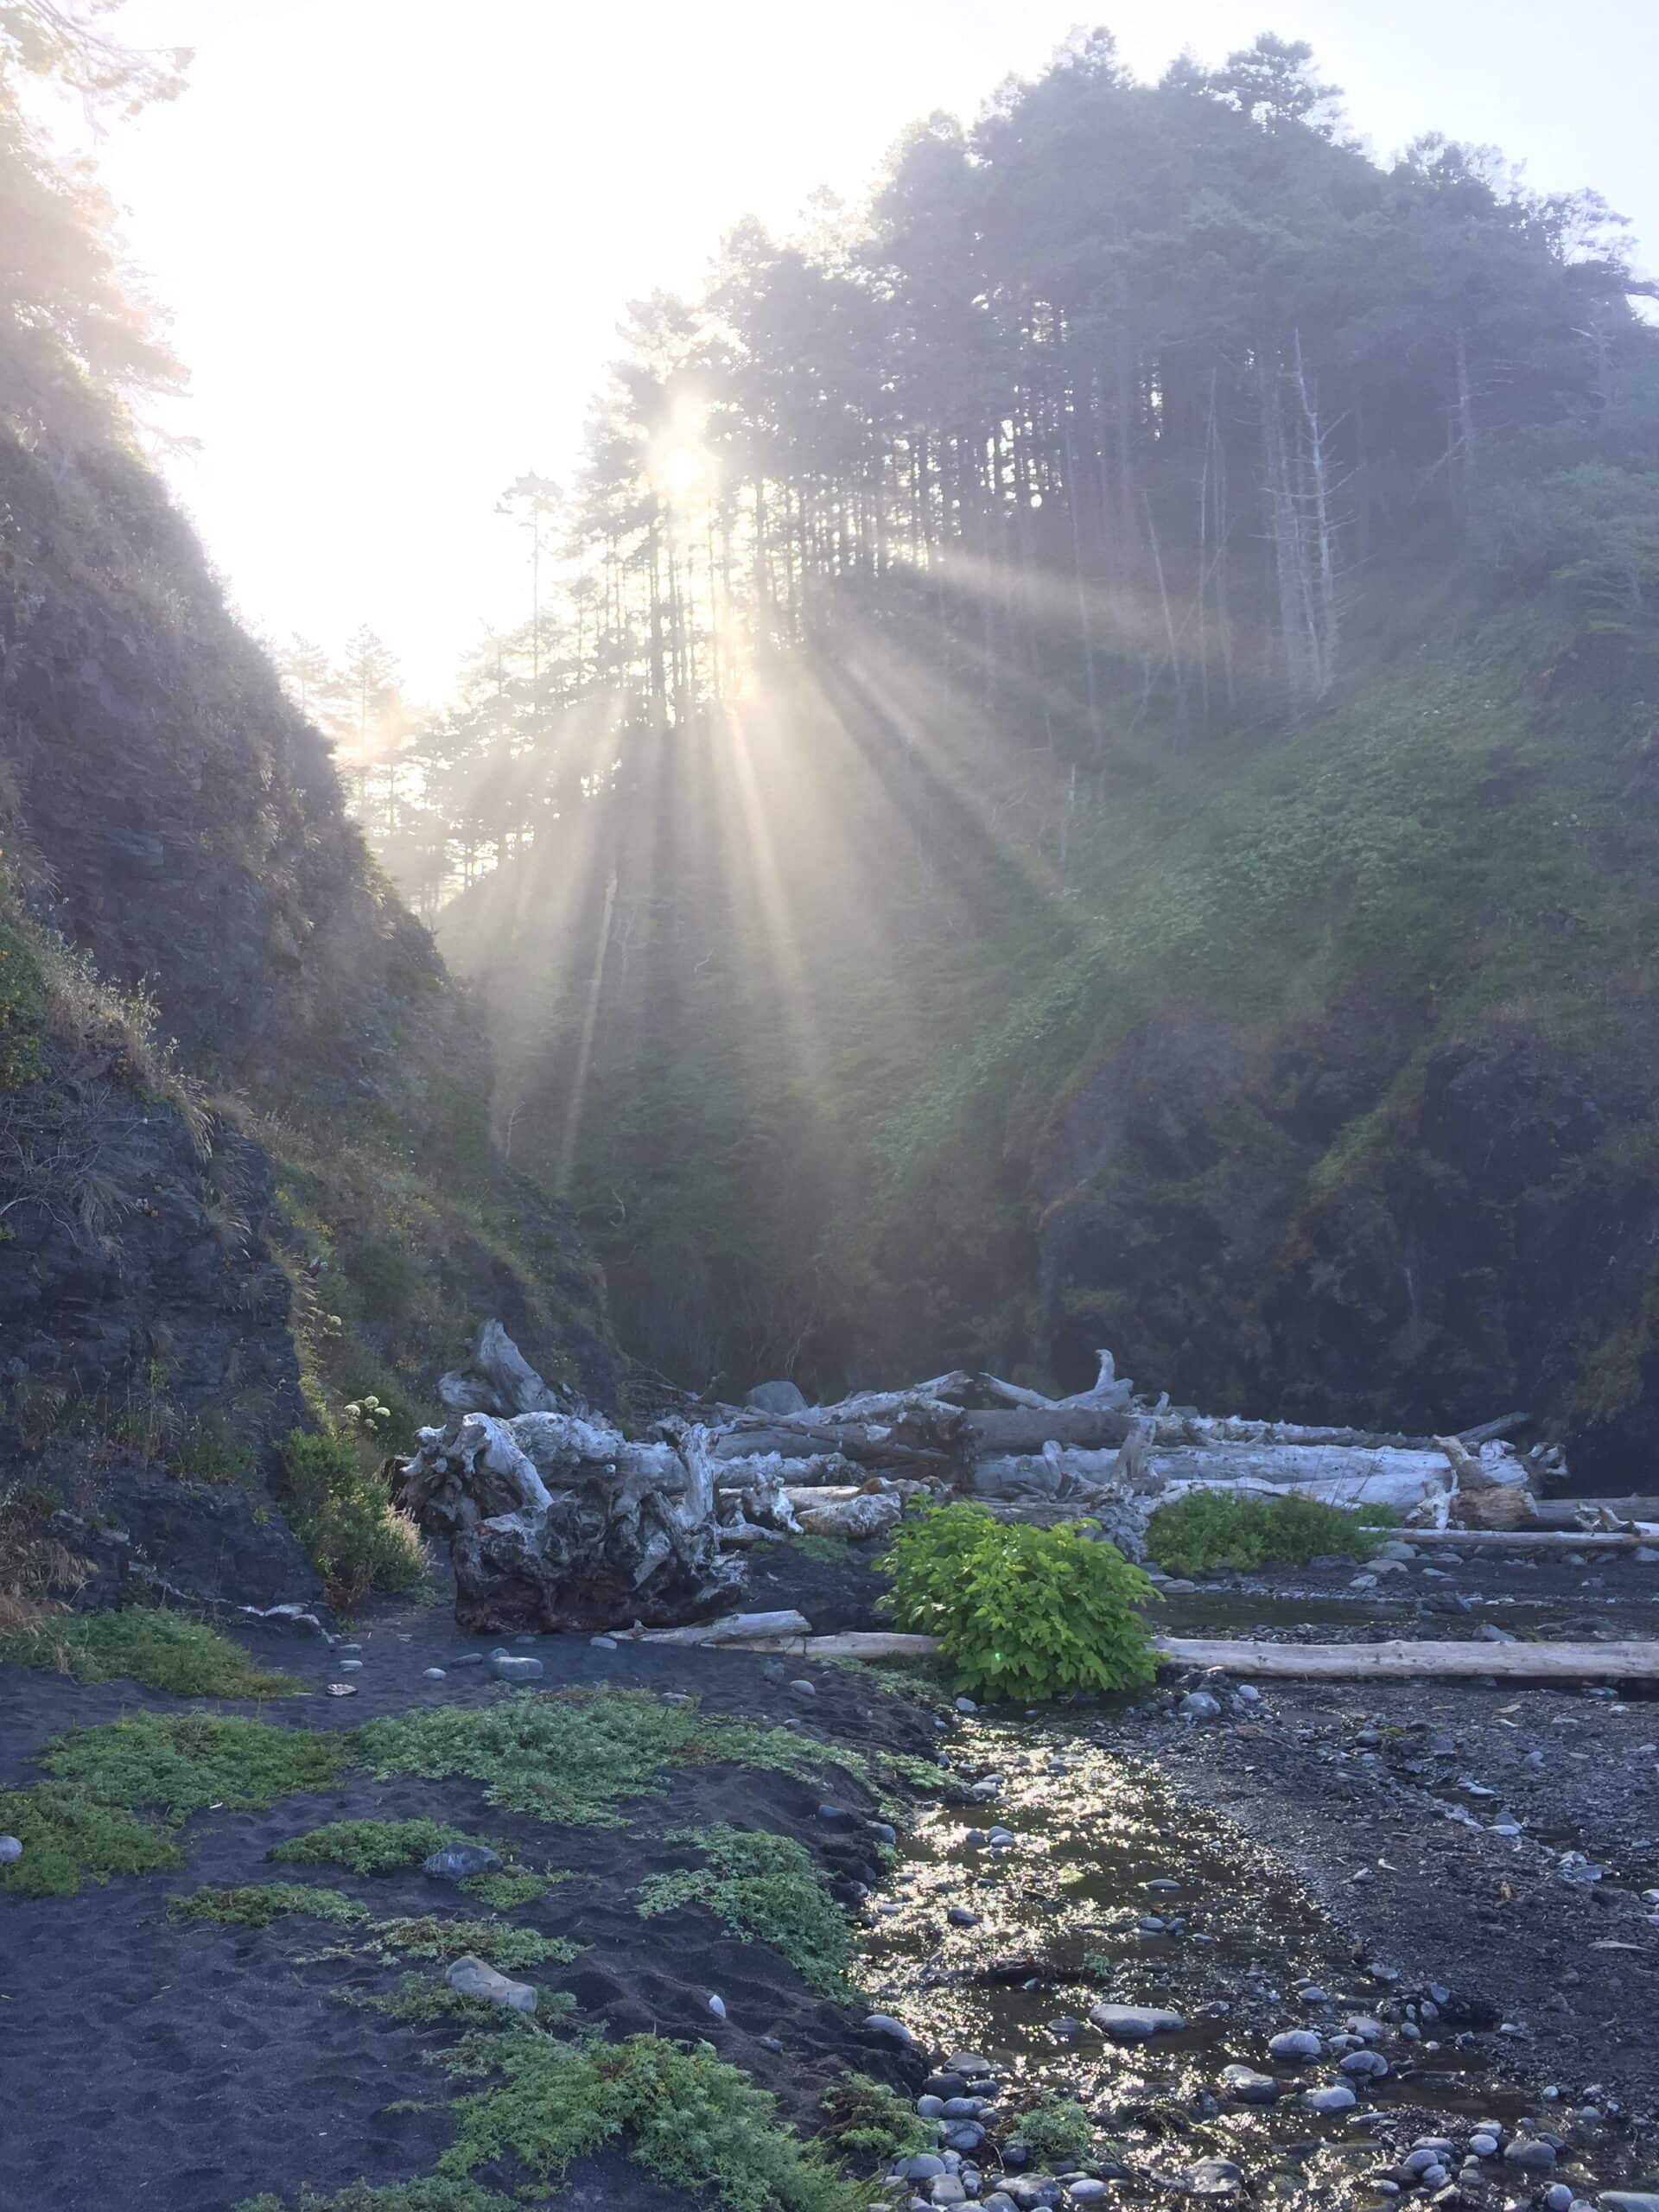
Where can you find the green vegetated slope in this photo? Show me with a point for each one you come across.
(206, 1243)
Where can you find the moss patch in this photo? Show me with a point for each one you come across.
(163, 1650)
(763, 1889)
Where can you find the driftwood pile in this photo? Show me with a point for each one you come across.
(555, 1520)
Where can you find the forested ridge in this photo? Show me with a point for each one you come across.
(1061, 713)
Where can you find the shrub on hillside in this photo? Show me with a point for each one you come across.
(343, 1516)
(1210, 1529)
(1022, 1612)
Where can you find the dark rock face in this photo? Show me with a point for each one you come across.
(1353, 1223)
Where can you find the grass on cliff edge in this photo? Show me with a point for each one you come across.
(570, 1757)
(162, 1651)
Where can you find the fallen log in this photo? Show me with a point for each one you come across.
(1527, 1540)
(1562, 1512)
(730, 1627)
(1017, 1430)
(1632, 1662)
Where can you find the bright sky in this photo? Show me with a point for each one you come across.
(396, 236)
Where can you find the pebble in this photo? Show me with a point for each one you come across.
(883, 2023)
(959, 1917)
(717, 2005)
(10, 1850)
(1484, 2146)
(929, 2107)
(602, 1642)
(1095, 2192)
(1198, 1705)
(350, 1666)
(1337, 2097)
(1558, 2197)
(1134, 2022)
(470, 1977)
(803, 1689)
(456, 1862)
(966, 1705)
(432, 1674)
(771, 2043)
(468, 1659)
(509, 1670)
(1297, 2045)
(922, 2167)
(1628, 2200)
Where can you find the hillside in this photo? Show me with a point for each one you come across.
(1136, 826)
(206, 1242)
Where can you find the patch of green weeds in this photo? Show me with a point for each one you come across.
(82, 1823)
(430, 2194)
(147, 1644)
(182, 1763)
(574, 1756)
(506, 1889)
(867, 2123)
(694, 2122)
(368, 1846)
(261, 1903)
(1057, 2135)
(498, 1942)
(762, 1889)
(69, 1839)
(1212, 1528)
(419, 2001)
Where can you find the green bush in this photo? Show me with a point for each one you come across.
(163, 1650)
(343, 1516)
(262, 1903)
(1022, 1612)
(867, 2123)
(1212, 1528)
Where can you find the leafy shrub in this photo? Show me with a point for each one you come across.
(161, 1649)
(763, 1889)
(1022, 1612)
(343, 1516)
(1210, 1529)
(69, 1838)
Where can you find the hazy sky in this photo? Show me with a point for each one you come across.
(396, 237)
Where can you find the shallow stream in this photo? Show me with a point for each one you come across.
(1109, 1893)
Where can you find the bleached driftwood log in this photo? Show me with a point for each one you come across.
(555, 1520)
(1632, 1662)
(1337, 1474)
